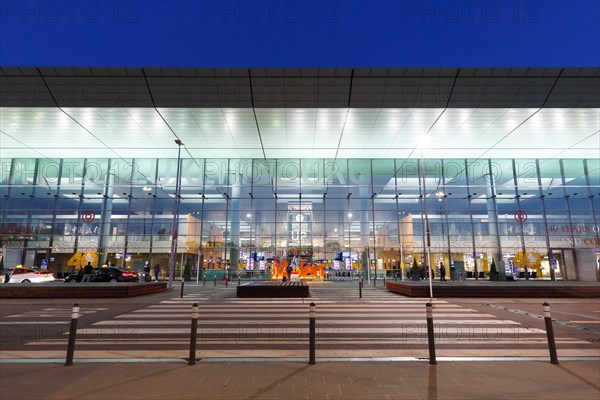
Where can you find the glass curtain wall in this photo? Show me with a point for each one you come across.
(524, 218)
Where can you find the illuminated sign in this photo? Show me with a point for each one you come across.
(299, 223)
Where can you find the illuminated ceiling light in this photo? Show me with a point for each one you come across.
(146, 188)
(423, 140)
(349, 215)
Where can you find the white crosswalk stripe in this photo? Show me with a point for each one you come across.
(380, 324)
(61, 313)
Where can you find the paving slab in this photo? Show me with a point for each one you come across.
(529, 380)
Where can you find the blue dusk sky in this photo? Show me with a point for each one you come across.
(279, 33)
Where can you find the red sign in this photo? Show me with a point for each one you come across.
(88, 216)
(520, 216)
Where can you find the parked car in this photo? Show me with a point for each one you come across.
(27, 275)
(112, 274)
(74, 277)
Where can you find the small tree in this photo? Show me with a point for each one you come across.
(187, 271)
(415, 270)
(493, 270)
(494, 275)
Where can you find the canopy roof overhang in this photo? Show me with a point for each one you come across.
(300, 113)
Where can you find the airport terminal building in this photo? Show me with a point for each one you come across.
(355, 172)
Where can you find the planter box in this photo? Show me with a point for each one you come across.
(273, 289)
(486, 289)
(79, 290)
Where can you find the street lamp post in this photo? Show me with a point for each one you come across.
(174, 235)
(427, 232)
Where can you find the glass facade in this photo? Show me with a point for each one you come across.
(533, 218)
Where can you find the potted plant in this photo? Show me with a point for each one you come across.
(494, 275)
(187, 272)
(415, 271)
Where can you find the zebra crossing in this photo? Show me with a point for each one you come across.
(380, 324)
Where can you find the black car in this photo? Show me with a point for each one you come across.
(74, 277)
(112, 274)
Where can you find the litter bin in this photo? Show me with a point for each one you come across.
(459, 276)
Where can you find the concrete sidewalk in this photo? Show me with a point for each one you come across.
(296, 380)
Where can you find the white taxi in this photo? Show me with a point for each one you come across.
(27, 275)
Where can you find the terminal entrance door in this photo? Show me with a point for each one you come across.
(563, 262)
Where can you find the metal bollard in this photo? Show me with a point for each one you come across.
(360, 283)
(430, 333)
(215, 281)
(192, 359)
(239, 281)
(550, 333)
(384, 281)
(375, 280)
(312, 334)
(72, 334)
(226, 282)
(181, 294)
(204, 280)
